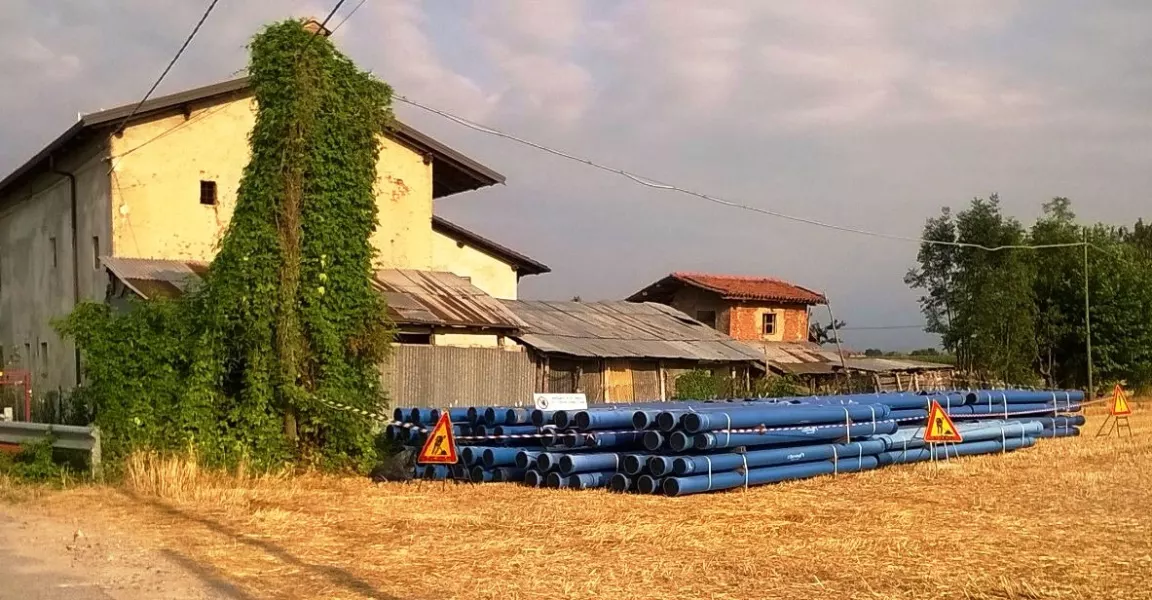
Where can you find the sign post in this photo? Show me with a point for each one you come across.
(940, 430)
(1119, 409)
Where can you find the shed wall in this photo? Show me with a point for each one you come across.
(36, 272)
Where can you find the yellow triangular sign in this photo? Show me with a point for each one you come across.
(1119, 406)
(940, 428)
(440, 447)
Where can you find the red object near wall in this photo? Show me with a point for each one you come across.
(23, 379)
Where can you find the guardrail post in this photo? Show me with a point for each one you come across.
(97, 468)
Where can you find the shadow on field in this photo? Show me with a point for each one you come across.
(210, 577)
(216, 580)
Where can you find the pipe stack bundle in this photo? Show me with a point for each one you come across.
(681, 448)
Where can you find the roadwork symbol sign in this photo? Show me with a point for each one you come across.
(440, 447)
(940, 428)
(1119, 406)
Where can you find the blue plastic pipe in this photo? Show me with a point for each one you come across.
(518, 416)
(659, 466)
(437, 471)
(541, 418)
(615, 418)
(944, 451)
(481, 475)
(620, 483)
(1024, 396)
(971, 431)
(601, 439)
(695, 484)
(500, 457)
(509, 474)
(696, 422)
(691, 465)
(548, 461)
(653, 441)
(1064, 421)
(647, 484)
(526, 459)
(471, 455)
(810, 433)
(633, 464)
(555, 480)
(533, 478)
(515, 429)
(571, 464)
(587, 481)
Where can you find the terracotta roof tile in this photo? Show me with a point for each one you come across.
(740, 287)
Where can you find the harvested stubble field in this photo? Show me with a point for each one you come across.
(1068, 518)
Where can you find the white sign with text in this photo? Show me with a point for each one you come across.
(560, 401)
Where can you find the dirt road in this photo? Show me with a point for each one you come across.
(43, 558)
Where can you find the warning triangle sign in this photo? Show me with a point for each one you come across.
(940, 427)
(440, 447)
(1119, 406)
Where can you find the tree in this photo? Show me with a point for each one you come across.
(873, 352)
(935, 275)
(824, 334)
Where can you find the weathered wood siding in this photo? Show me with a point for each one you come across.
(438, 376)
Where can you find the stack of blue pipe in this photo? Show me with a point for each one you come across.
(681, 448)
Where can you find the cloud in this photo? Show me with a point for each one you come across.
(531, 44)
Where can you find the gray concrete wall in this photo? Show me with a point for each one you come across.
(36, 284)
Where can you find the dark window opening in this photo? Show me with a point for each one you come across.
(707, 317)
(414, 338)
(55, 256)
(96, 252)
(208, 193)
(769, 324)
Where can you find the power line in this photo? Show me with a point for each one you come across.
(348, 16)
(881, 327)
(657, 184)
(171, 63)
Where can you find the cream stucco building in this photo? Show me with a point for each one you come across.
(163, 186)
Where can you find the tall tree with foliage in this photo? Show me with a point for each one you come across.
(286, 320)
(1018, 315)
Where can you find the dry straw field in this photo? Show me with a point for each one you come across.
(1069, 518)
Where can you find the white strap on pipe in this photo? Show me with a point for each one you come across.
(847, 426)
(728, 428)
(744, 457)
(835, 461)
(709, 460)
(1004, 441)
(1004, 397)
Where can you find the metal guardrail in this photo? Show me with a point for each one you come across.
(69, 437)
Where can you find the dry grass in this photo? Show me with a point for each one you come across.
(1068, 518)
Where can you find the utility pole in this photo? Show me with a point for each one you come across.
(1091, 391)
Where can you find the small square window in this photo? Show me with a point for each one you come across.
(707, 317)
(208, 193)
(768, 325)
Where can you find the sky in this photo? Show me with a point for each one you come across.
(868, 114)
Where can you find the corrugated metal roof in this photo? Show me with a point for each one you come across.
(732, 287)
(440, 298)
(413, 297)
(621, 329)
(807, 358)
(151, 278)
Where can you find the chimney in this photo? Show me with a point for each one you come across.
(311, 25)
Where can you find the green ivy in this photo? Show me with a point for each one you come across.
(286, 317)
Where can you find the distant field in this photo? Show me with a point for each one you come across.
(1068, 518)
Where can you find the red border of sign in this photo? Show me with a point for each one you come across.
(1119, 392)
(933, 411)
(424, 458)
